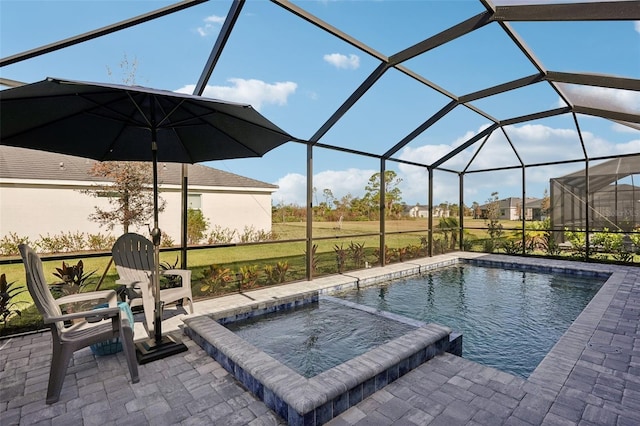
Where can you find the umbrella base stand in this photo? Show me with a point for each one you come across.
(152, 349)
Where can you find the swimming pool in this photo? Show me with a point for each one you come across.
(509, 318)
(315, 400)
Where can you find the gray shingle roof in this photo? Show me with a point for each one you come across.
(21, 163)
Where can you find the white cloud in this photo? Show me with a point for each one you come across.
(293, 186)
(292, 190)
(631, 147)
(211, 24)
(535, 143)
(620, 128)
(339, 60)
(254, 92)
(636, 25)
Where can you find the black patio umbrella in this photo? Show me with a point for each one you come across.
(130, 123)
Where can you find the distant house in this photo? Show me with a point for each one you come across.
(40, 195)
(512, 209)
(423, 211)
(418, 211)
(533, 209)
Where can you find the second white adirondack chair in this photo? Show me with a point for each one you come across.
(133, 257)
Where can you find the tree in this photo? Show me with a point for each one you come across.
(475, 207)
(495, 228)
(545, 204)
(360, 208)
(393, 194)
(328, 196)
(325, 206)
(197, 226)
(128, 190)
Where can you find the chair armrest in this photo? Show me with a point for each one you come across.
(93, 315)
(123, 281)
(109, 295)
(184, 274)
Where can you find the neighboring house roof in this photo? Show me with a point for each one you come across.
(534, 203)
(21, 163)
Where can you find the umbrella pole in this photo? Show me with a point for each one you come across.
(160, 346)
(156, 236)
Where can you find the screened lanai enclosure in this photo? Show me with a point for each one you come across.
(421, 127)
(598, 197)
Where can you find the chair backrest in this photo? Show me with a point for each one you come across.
(37, 284)
(133, 256)
(133, 251)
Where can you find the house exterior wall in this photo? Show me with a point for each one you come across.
(232, 208)
(419, 211)
(34, 209)
(509, 213)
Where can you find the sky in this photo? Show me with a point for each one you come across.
(297, 75)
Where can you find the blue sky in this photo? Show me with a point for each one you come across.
(297, 76)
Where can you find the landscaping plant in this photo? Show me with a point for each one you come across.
(73, 279)
(215, 279)
(276, 274)
(356, 252)
(8, 304)
(341, 257)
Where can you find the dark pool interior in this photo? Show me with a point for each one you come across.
(510, 319)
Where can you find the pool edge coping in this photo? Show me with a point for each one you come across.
(314, 400)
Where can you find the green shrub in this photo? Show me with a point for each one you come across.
(220, 235)
(9, 244)
(252, 235)
(100, 242)
(197, 226)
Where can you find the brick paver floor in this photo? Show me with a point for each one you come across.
(591, 377)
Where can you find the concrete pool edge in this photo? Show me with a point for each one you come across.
(316, 400)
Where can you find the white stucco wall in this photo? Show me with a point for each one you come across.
(35, 208)
(232, 208)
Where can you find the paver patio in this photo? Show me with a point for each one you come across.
(591, 376)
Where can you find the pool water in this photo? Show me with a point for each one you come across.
(509, 319)
(318, 336)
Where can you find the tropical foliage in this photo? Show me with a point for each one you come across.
(8, 303)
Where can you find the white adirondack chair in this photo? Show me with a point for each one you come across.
(133, 257)
(90, 327)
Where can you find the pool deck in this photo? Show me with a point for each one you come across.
(590, 377)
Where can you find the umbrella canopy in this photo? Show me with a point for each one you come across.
(131, 123)
(115, 122)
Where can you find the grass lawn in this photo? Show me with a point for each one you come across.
(199, 259)
(328, 237)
